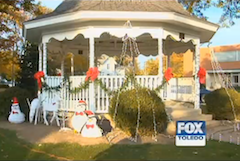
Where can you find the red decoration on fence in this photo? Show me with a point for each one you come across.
(168, 74)
(38, 77)
(92, 73)
(202, 75)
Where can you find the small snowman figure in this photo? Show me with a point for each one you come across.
(80, 118)
(91, 129)
(16, 116)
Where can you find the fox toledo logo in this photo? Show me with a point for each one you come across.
(190, 128)
(191, 133)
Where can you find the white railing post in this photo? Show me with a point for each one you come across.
(45, 58)
(160, 57)
(40, 56)
(197, 66)
(91, 64)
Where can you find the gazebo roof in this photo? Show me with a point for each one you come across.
(73, 14)
(70, 6)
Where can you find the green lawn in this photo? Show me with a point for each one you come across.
(12, 148)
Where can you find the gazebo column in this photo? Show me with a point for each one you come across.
(91, 64)
(45, 58)
(160, 57)
(197, 66)
(40, 67)
(168, 61)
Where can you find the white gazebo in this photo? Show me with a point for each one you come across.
(96, 27)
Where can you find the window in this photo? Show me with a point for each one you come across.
(235, 78)
(228, 56)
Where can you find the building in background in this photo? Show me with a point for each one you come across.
(228, 58)
(108, 66)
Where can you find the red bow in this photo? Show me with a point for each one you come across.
(168, 74)
(90, 126)
(38, 77)
(202, 75)
(79, 113)
(92, 73)
(15, 112)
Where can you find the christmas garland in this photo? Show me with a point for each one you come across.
(91, 77)
(47, 88)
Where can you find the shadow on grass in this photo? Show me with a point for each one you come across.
(12, 148)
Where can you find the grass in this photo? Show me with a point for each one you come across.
(12, 148)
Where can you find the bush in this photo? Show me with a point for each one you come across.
(219, 105)
(6, 100)
(127, 112)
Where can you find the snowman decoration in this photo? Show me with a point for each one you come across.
(79, 118)
(16, 116)
(91, 129)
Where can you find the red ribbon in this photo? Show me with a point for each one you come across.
(38, 77)
(92, 73)
(202, 75)
(15, 112)
(79, 113)
(168, 74)
(90, 126)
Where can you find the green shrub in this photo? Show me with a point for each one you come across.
(6, 100)
(127, 112)
(219, 105)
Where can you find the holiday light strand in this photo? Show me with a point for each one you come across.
(137, 94)
(223, 77)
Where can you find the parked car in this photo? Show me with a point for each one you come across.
(4, 82)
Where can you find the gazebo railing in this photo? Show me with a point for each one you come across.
(102, 100)
(181, 89)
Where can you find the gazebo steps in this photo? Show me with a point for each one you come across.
(194, 118)
(181, 113)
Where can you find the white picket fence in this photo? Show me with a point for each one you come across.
(102, 100)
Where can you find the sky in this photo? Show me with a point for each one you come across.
(224, 36)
